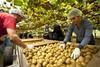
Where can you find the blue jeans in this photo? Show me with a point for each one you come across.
(5, 43)
(1, 56)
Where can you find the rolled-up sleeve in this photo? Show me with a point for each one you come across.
(68, 34)
(88, 32)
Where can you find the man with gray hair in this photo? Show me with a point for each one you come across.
(83, 30)
(8, 34)
(8, 26)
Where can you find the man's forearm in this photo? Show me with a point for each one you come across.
(84, 42)
(67, 37)
(18, 41)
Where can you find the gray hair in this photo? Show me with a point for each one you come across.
(74, 12)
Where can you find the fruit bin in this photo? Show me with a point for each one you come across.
(48, 54)
(29, 41)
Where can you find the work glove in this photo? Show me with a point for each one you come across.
(76, 53)
(62, 45)
(69, 43)
(30, 46)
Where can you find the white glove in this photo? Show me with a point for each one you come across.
(30, 46)
(62, 45)
(76, 53)
(69, 43)
(77, 44)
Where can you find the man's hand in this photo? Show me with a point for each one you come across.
(62, 45)
(76, 53)
(30, 46)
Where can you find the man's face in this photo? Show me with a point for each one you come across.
(75, 19)
(19, 18)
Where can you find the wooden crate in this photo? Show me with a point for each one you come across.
(44, 42)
